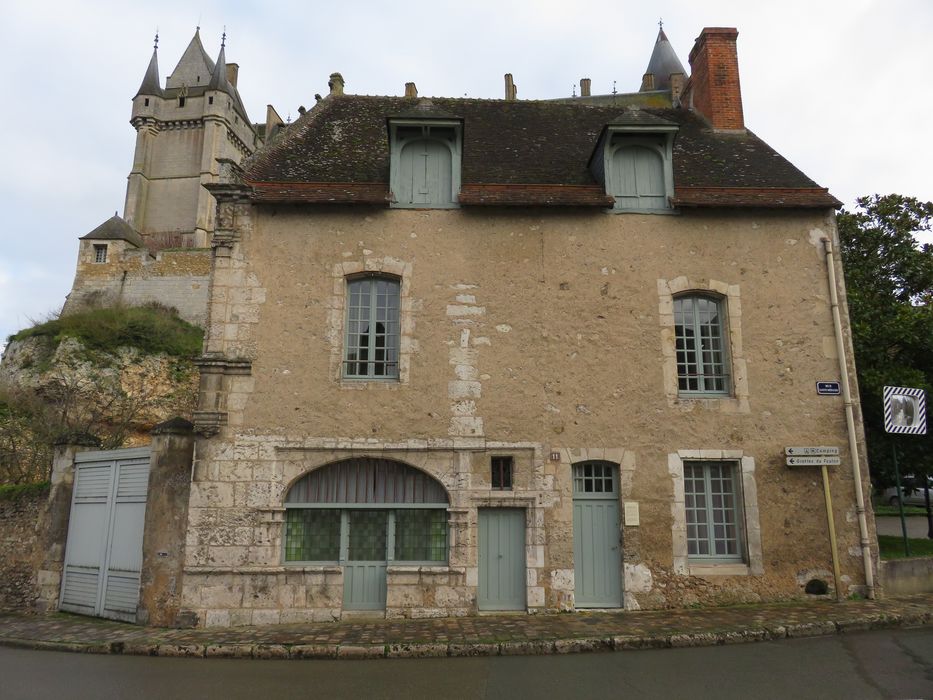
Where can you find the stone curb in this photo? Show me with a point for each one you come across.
(572, 645)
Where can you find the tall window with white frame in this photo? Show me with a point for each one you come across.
(372, 331)
(100, 252)
(702, 355)
(714, 513)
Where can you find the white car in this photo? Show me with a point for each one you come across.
(913, 492)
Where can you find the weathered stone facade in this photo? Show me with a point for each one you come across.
(542, 335)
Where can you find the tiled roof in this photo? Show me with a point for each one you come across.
(342, 146)
(115, 229)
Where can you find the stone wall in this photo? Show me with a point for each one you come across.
(134, 277)
(545, 335)
(19, 550)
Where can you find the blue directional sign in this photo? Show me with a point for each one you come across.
(827, 388)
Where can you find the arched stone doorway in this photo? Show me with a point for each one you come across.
(364, 514)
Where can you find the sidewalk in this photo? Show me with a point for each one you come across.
(471, 636)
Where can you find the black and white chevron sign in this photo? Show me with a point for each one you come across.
(905, 410)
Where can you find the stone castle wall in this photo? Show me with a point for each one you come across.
(134, 277)
(547, 336)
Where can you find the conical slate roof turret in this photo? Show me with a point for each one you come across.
(663, 62)
(194, 67)
(219, 80)
(152, 84)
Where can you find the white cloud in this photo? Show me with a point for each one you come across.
(839, 87)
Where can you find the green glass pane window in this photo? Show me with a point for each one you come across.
(421, 535)
(368, 535)
(372, 338)
(312, 534)
(702, 363)
(711, 496)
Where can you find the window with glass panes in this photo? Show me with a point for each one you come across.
(366, 509)
(501, 477)
(372, 337)
(594, 478)
(702, 359)
(711, 494)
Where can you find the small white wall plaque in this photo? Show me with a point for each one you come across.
(631, 514)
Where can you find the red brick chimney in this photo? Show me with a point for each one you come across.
(714, 82)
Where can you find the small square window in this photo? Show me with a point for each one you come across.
(502, 468)
(100, 253)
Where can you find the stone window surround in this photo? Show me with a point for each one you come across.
(337, 319)
(754, 564)
(738, 401)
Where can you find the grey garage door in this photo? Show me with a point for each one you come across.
(103, 553)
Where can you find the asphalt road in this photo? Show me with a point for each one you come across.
(891, 525)
(884, 664)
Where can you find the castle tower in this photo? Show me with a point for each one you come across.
(181, 131)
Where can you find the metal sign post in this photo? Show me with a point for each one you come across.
(905, 413)
(821, 456)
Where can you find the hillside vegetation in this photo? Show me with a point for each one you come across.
(103, 375)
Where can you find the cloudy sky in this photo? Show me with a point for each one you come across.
(840, 87)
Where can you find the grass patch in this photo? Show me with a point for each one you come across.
(150, 329)
(908, 510)
(13, 492)
(892, 547)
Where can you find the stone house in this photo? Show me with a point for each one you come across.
(468, 355)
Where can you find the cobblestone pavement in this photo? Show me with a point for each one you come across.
(472, 636)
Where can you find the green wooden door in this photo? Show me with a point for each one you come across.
(596, 552)
(424, 174)
(501, 559)
(364, 571)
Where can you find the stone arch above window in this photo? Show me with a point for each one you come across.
(367, 480)
(366, 509)
(733, 399)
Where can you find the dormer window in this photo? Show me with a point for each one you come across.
(635, 161)
(425, 166)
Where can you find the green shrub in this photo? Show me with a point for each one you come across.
(149, 329)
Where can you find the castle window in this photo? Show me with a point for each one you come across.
(425, 164)
(181, 101)
(372, 336)
(702, 358)
(502, 468)
(210, 100)
(100, 253)
(146, 102)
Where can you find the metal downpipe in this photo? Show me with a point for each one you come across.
(850, 420)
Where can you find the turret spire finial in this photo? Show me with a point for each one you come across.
(223, 37)
(155, 45)
(661, 23)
